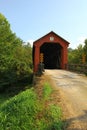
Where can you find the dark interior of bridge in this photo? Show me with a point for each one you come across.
(52, 55)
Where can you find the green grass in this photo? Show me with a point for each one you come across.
(26, 112)
(47, 90)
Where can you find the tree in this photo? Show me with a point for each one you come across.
(85, 49)
(75, 55)
(15, 58)
(5, 30)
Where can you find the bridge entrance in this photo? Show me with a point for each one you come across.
(51, 55)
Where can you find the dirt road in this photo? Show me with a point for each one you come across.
(74, 88)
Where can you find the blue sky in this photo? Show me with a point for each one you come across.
(31, 19)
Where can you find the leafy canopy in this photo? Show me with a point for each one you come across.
(15, 58)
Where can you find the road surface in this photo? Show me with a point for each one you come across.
(74, 87)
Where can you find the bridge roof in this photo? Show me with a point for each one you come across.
(48, 35)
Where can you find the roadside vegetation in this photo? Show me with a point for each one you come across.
(26, 111)
(78, 55)
(15, 57)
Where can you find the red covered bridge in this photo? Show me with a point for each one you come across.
(50, 49)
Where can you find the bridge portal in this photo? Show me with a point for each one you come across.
(53, 50)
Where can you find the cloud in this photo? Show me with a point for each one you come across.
(31, 42)
(81, 39)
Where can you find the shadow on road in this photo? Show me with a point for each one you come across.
(76, 123)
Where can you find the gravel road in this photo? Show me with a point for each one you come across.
(74, 87)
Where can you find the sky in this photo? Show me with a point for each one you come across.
(32, 19)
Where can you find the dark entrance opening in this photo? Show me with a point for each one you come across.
(52, 55)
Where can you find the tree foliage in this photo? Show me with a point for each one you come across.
(85, 48)
(75, 56)
(15, 58)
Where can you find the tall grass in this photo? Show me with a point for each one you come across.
(26, 112)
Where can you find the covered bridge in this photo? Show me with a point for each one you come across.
(51, 50)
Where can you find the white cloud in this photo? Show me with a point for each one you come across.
(81, 39)
(31, 42)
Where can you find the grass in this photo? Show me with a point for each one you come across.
(25, 111)
(47, 90)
